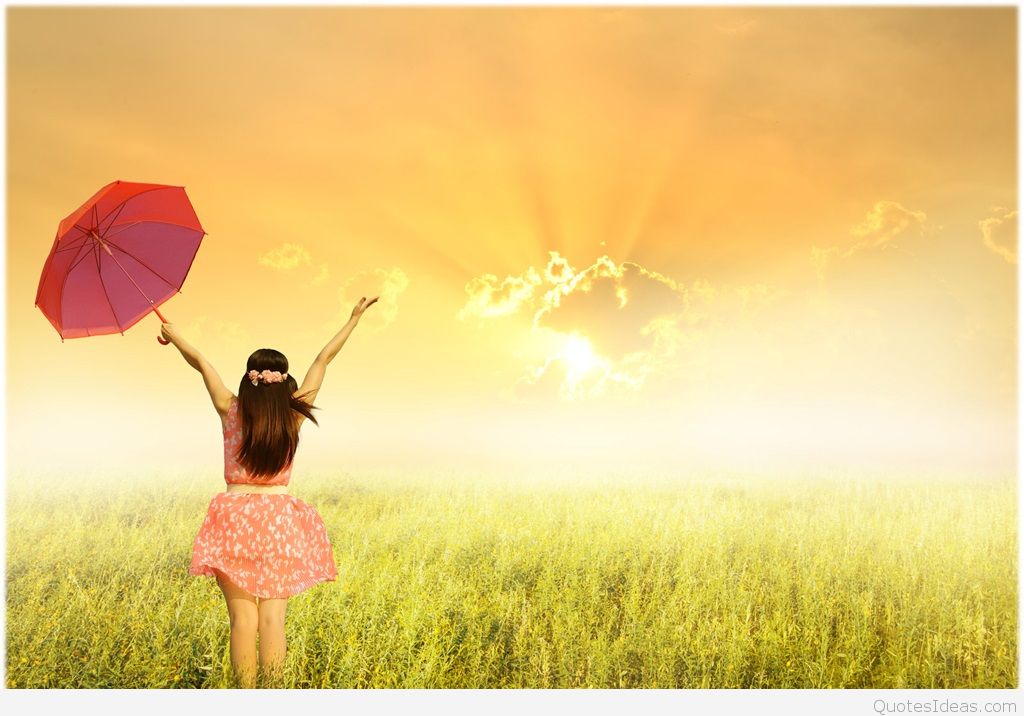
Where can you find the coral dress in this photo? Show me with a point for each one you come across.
(271, 545)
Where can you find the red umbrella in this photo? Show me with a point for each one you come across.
(117, 257)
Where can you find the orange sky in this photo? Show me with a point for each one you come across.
(761, 238)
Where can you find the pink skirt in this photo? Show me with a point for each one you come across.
(271, 545)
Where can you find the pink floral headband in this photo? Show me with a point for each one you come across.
(269, 376)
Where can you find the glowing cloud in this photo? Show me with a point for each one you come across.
(999, 234)
(489, 297)
(886, 221)
(288, 256)
(388, 283)
(613, 324)
(285, 257)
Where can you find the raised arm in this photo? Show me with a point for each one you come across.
(219, 393)
(315, 375)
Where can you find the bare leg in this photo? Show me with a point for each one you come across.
(272, 638)
(244, 616)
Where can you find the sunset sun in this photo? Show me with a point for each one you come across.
(579, 356)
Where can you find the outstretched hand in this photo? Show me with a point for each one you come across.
(363, 305)
(168, 331)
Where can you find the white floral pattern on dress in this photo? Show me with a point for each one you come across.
(271, 545)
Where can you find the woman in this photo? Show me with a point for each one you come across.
(262, 545)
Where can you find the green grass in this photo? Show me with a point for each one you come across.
(448, 582)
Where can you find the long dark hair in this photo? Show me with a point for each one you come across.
(270, 433)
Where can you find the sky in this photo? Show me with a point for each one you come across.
(764, 239)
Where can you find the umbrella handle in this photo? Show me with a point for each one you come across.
(159, 315)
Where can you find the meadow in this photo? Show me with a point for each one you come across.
(452, 582)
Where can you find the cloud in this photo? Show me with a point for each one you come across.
(885, 221)
(490, 298)
(285, 257)
(883, 224)
(288, 256)
(610, 303)
(999, 234)
(388, 283)
(610, 325)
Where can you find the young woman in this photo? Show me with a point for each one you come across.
(261, 544)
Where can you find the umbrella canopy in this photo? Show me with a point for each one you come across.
(117, 257)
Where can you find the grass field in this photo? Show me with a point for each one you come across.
(451, 582)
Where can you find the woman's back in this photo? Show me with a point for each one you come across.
(234, 473)
(262, 544)
(268, 544)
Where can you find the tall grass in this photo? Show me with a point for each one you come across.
(453, 583)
